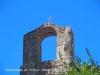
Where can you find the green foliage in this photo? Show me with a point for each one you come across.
(88, 68)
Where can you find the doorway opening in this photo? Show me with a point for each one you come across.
(49, 48)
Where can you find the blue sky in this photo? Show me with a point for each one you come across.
(17, 17)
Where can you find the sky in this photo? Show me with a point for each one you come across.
(17, 17)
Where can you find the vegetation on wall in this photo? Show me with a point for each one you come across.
(88, 68)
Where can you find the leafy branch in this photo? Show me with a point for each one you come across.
(81, 69)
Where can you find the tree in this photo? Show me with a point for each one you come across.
(88, 68)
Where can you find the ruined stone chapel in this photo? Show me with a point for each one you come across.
(32, 64)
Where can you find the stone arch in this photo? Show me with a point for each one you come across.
(33, 39)
(32, 47)
(44, 32)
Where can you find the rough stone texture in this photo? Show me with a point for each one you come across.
(32, 64)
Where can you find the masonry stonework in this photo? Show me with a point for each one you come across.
(32, 64)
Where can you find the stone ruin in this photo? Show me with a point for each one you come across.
(32, 64)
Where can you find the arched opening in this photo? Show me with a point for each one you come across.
(49, 48)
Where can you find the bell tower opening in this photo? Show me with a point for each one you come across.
(49, 48)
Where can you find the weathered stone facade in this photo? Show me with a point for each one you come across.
(32, 50)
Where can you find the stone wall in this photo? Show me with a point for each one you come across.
(32, 50)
